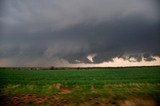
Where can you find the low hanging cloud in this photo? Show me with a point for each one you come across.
(119, 62)
(60, 32)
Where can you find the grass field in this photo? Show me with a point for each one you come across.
(114, 86)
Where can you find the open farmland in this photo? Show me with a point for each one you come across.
(112, 86)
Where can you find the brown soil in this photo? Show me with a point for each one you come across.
(64, 90)
(58, 100)
(139, 102)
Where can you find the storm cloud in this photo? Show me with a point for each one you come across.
(59, 32)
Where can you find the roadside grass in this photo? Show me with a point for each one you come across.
(108, 89)
(109, 94)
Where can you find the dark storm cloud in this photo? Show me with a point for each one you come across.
(51, 30)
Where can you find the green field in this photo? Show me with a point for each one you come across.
(76, 86)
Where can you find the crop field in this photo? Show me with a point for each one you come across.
(82, 87)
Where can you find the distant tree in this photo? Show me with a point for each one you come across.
(52, 68)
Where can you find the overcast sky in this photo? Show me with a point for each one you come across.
(59, 32)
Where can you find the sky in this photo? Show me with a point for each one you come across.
(79, 33)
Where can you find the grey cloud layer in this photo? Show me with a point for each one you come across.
(46, 31)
